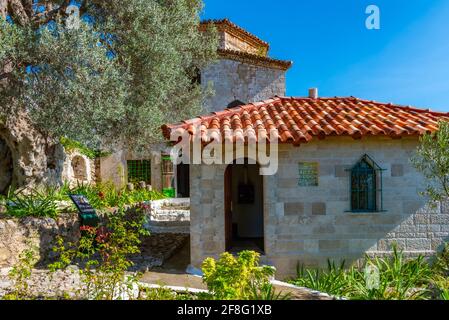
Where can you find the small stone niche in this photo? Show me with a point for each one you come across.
(79, 168)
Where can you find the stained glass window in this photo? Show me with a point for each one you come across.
(308, 174)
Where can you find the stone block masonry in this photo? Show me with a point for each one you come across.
(309, 225)
(234, 80)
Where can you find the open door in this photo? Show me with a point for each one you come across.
(244, 209)
(183, 180)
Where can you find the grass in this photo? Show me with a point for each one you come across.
(398, 278)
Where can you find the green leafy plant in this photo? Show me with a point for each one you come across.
(105, 81)
(146, 293)
(21, 273)
(333, 281)
(105, 253)
(399, 279)
(106, 195)
(267, 292)
(31, 203)
(236, 277)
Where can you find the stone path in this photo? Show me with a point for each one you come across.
(172, 273)
(157, 248)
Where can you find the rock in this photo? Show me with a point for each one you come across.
(5, 254)
(142, 185)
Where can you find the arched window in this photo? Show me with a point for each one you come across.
(366, 186)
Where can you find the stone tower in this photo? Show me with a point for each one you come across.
(243, 73)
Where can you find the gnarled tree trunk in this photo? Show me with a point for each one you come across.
(27, 157)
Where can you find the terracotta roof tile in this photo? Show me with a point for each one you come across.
(299, 120)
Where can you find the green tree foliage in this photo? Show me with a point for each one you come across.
(432, 160)
(124, 72)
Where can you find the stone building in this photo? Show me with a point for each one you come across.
(344, 186)
(244, 73)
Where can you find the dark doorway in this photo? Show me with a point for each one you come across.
(6, 167)
(244, 209)
(183, 180)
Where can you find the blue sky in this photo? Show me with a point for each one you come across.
(405, 62)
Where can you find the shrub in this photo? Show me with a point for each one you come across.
(105, 195)
(105, 254)
(20, 274)
(236, 278)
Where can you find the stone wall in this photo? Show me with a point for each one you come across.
(313, 224)
(235, 80)
(16, 234)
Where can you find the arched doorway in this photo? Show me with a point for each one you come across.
(6, 167)
(244, 209)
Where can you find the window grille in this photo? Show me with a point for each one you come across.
(139, 170)
(366, 186)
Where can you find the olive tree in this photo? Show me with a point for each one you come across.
(432, 160)
(113, 77)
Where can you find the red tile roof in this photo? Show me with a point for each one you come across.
(299, 120)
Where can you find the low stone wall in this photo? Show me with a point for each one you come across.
(169, 216)
(16, 235)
